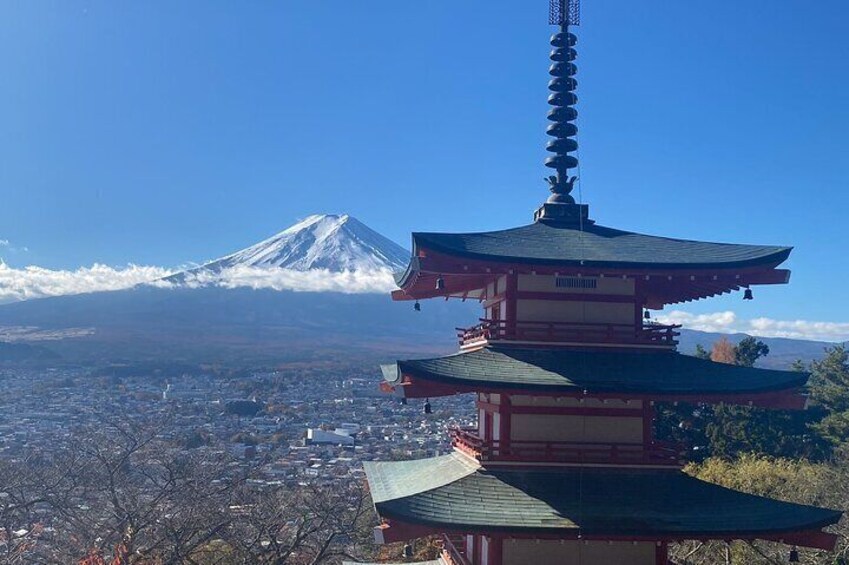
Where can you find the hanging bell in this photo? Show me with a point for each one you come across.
(794, 555)
(440, 283)
(428, 409)
(417, 307)
(647, 315)
(747, 295)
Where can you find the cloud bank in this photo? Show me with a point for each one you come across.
(314, 280)
(729, 322)
(36, 282)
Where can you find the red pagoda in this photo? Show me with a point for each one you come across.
(567, 367)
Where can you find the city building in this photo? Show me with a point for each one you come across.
(567, 366)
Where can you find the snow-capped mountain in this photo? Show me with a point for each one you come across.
(337, 243)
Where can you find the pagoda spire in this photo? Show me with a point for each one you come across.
(563, 13)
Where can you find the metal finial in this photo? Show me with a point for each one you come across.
(560, 208)
(563, 99)
(565, 13)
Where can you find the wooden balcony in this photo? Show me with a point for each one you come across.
(468, 441)
(488, 331)
(454, 550)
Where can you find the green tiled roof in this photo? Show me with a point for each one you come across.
(596, 371)
(594, 501)
(542, 243)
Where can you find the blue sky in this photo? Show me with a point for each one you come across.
(160, 133)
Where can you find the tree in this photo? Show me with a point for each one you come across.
(701, 352)
(829, 387)
(120, 494)
(723, 351)
(749, 350)
(785, 479)
(727, 430)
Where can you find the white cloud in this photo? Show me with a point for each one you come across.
(36, 282)
(316, 280)
(722, 322)
(4, 243)
(729, 322)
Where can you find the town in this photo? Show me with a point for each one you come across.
(302, 424)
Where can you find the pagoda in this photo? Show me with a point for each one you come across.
(567, 368)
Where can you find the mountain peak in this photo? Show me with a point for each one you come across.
(336, 242)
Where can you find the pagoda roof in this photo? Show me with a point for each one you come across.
(595, 245)
(452, 492)
(559, 370)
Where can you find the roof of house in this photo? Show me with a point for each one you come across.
(453, 492)
(663, 373)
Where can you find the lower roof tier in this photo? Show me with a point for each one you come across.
(562, 371)
(452, 493)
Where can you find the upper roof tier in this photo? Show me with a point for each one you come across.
(551, 244)
(463, 259)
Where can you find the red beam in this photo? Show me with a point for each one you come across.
(815, 539)
(565, 410)
(570, 296)
(393, 530)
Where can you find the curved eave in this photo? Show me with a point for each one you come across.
(592, 502)
(597, 246)
(660, 284)
(661, 376)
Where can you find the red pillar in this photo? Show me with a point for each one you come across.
(661, 553)
(495, 550)
(648, 423)
(506, 410)
(510, 303)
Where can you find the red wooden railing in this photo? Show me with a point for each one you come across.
(468, 440)
(454, 550)
(577, 332)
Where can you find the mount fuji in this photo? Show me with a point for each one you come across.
(336, 243)
(318, 288)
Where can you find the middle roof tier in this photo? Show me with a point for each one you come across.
(663, 375)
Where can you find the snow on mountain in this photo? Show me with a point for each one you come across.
(323, 253)
(333, 242)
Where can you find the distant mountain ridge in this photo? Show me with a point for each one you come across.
(334, 242)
